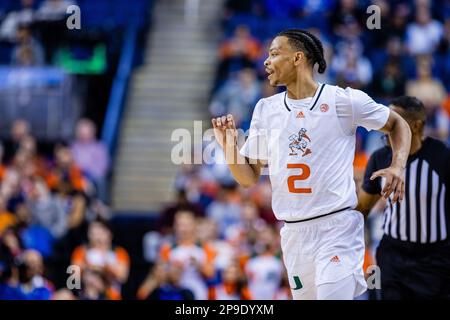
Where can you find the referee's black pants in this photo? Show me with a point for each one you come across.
(413, 271)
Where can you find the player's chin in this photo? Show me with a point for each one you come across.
(274, 82)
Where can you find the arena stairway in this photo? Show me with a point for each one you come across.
(169, 91)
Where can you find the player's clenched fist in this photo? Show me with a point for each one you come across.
(225, 130)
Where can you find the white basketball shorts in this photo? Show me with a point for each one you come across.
(325, 251)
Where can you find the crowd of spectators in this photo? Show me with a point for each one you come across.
(52, 215)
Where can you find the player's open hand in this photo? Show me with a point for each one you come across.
(225, 131)
(395, 183)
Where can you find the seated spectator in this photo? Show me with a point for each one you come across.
(265, 270)
(423, 35)
(33, 235)
(48, 210)
(101, 255)
(389, 82)
(167, 217)
(225, 210)
(233, 284)
(347, 19)
(208, 236)
(24, 16)
(28, 51)
(7, 219)
(31, 277)
(28, 146)
(352, 69)
(20, 129)
(93, 285)
(11, 246)
(12, 190)
(51, 10)
(168, 286)
(432, 93)
(66, 174)
(240, 51)
(91, 155)
(196, 261)
(238, 97)
(9, 282)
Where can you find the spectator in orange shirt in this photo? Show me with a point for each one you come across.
(197, 261)
(7, 219)
(99, 254)
(66, 175)
(233, 285)
(241, 50)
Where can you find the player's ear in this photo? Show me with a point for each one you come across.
(416, 126)
(298, 57)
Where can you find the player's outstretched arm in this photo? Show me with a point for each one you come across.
(400, 138)
(244, 173)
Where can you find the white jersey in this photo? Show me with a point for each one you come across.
(310, 148)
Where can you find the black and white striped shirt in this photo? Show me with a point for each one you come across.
(423, 215)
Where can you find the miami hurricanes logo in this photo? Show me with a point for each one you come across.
(299, 143)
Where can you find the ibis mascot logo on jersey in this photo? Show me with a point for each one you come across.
(299, 143)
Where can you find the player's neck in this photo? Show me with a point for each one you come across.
(416, 144)
(302, 89)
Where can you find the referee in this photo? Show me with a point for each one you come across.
(414, 253)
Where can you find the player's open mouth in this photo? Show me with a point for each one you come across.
(270, 72)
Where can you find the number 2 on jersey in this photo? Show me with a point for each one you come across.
(305, 173)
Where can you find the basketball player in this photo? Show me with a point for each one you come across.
(313, 190)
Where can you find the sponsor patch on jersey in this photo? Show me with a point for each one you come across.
(324, 107)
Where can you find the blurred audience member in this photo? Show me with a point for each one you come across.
(240, 51)
(99, 254)
(238, 97)
(47, 209)
(432, 93)
(24, 16)
(225, 210)
(20, 129)
(66, 175)
(91, 155)
(352, 69)
(169, 286)
(264, 271)
(233, 284)
(165, 224)
(197, 261)
(51, 10)
(208, 236)
(28, 51)
(33, 284)
(423, 35)
(389, 82)
(347, 19)
(7, 219)
(94, 285)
